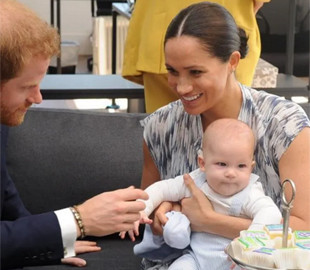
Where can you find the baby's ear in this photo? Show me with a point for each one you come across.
(201, 162)
(253, 164)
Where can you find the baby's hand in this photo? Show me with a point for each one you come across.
(135, 232)
(144, 219)
(131, 233)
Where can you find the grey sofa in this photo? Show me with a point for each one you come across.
(58, 158)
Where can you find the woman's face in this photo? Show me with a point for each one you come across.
(199, 79)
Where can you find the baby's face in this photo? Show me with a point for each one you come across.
(228, 166)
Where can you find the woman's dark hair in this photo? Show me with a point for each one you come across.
(213, 26)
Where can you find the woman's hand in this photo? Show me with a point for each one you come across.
(203, 218)
(197, 207)
(81, 247)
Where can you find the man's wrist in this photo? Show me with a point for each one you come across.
(78, 221)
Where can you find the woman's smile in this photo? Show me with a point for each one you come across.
(191, 98)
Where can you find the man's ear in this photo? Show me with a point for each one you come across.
(201, 163)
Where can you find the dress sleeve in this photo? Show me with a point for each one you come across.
(287, 123)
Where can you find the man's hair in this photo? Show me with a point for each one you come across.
(23, 35)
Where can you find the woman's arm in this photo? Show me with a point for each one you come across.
(150, 173)
(295, 165)
(203, 218)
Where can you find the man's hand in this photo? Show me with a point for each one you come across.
(111, 212)
(197, 207)
(81, 247)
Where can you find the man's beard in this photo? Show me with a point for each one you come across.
(12, 118)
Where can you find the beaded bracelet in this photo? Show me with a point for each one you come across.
(78, 219)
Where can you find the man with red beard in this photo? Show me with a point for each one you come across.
(27, 43)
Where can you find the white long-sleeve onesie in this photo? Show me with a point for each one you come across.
(251, 202)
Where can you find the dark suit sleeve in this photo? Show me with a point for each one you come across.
(12, 206)
(31, 240)
(25, 239)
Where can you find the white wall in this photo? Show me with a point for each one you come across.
(76, 20)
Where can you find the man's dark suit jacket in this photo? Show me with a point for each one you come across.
(25, 239)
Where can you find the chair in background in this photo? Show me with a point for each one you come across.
(274, 21)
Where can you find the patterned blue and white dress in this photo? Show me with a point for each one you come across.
(174, 136)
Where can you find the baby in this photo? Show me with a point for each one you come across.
(225, 176)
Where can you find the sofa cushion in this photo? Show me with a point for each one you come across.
(115, 254)
(58, 157)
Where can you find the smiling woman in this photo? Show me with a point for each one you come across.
(203, 46)
(144, 51)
